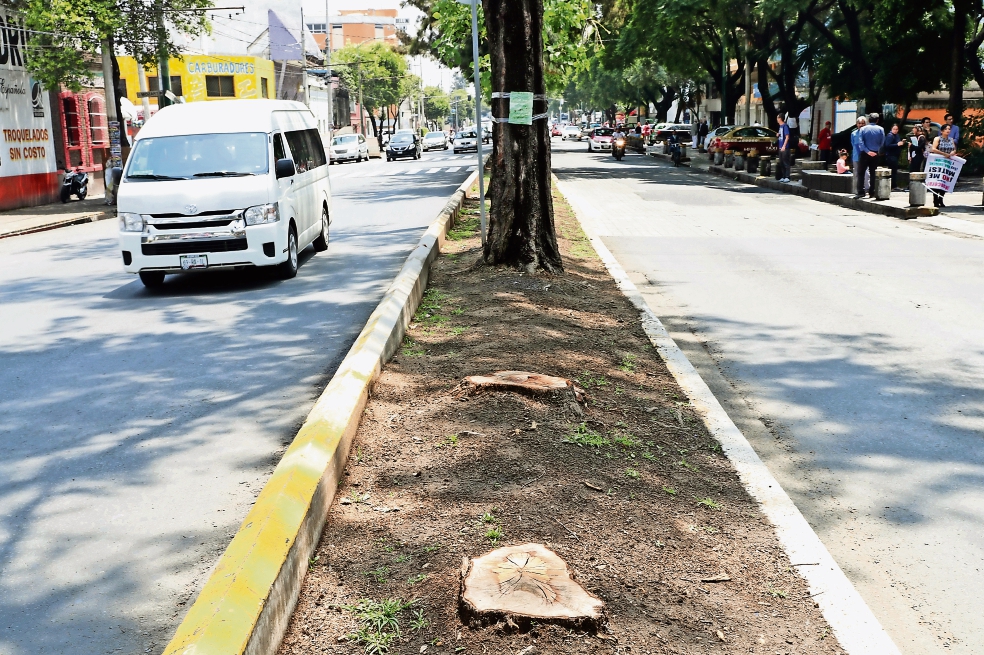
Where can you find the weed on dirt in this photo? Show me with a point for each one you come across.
(629, 490)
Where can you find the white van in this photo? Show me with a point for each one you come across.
(224, 184)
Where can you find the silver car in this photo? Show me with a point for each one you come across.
(349, 147)
(466, 139)
(570, 132)
(435, 141)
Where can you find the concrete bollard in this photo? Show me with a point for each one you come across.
(739, 161)
(883, 183)
(719, 158)
(683, 150)
(752, 165)
(729, 159)
(917, 189)
(765, 166)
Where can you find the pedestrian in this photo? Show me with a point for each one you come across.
(954, 129)
(783, 143)
(693, 134)
(942, 145)
(872, 140)
(843, 163)
(702, 134)
(917, 150)
(794, 136)
(893, 150)
(859, 181)
(927, 129)
(823, 143)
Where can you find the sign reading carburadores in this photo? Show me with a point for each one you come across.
(27, 154)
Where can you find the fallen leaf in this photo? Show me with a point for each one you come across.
(590, 485)
(717, 578)
(720, 635)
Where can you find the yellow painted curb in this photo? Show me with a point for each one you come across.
(246, 604)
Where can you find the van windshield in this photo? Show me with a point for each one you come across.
(199, 155)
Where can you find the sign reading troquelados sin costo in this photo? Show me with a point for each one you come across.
(27, 154)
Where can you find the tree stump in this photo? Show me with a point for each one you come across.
(534, 384)
(520, 584)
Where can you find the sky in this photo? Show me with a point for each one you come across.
(232, 30)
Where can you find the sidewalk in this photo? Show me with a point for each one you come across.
(963, 212)
(48, 217)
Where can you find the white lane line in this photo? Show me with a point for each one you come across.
(433, 170)
(454, 169)
(413, 171)
(472, 168)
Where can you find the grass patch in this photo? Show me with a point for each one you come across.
(467, 225)
(632, 473)
(670, 490)
(626, 440)
(380, 574)
(494, 534)
(628, 364)
(411, 348)
(379, 623)
(582, 435)
(414, 579)
(709, 503)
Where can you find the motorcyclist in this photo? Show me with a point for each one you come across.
(618, 133)
(673, 143)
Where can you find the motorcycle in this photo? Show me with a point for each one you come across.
(75, 183)
(618, 149)
(675, 151)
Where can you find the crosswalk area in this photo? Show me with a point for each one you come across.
(393, 169)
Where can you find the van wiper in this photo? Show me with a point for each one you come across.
(222, 174)
(151, 176)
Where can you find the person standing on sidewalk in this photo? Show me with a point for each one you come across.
(823, 144)
(783, 142)
(917, 150)
(954, 129)
(893, 150)
(794, 137)
(702, 134)
(856, 154)
(942, 145)
(872, 140)
(694, 131)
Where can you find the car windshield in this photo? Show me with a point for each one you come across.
(402, 138)
(343, 140)
(199, 155)
(433, 136)
(469, 134)
(603, 131)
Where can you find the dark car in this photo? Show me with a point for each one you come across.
(754, 137)
(662, 131)
(403, 144)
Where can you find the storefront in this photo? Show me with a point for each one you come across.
(205, 77)
(29, 173)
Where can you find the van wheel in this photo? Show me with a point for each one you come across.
(321, 242)
(288, 269)
(152, 279)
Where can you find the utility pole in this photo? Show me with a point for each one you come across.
(478, 118)
(748, 82)
(331, 109)
(307, 100)
(163, 65)
(724, 81)
(362, 109)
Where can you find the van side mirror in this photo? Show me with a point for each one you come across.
(285, 168)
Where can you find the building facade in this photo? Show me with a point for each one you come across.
(355, 26)
(29, 173)
(200, 78)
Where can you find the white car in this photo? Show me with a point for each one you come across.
(570, 132)
(466, 139)
(435, 141)
(224, 185)
(349, 147)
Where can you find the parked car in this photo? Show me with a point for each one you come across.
(570, 132)
(349, 147)
(756, 137)
(435, 141)
(600, 138)
(224, 185)
(662, 131)
(713, 135)
(466, 139)
(404, 144)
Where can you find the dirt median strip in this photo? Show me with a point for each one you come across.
(629, 488)
(247, 601)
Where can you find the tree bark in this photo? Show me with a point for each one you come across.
(959, 39)
(521, 221)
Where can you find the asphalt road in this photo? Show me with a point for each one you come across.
(137, 427)
(848, 348)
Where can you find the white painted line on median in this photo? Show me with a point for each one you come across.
(953, 224)
(852, 621)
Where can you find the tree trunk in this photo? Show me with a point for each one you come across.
(521, 223)
(763, 81)
(955, 104)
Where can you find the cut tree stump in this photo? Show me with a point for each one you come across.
(535, 384)
(520, 584)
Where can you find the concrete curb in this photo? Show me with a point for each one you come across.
(77, 220)
(246, 604)
(854, 625)
(850, 202)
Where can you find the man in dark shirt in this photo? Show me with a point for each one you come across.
(893, 151)
(702, 134)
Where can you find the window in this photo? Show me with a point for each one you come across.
(176, 89)
(307, 149)
(98, 133)
(264, 88)
(220, 86)
(199, 156)
(278, 147)
(379, 33)
(747, 132)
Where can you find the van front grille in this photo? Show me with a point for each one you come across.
(184, 247)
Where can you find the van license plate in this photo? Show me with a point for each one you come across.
(189, 262)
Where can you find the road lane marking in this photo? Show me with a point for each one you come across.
(453, 169)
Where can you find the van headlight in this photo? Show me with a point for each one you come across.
(262, 214)
(131, 222)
